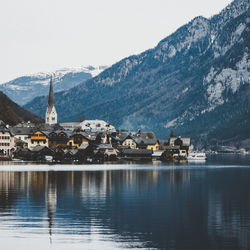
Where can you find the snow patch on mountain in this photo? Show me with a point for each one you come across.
(171, 123)
(226, 79)
(59, 74)
(220, 50)
(15, 87)
(172, 51)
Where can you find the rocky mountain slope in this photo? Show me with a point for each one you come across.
(195, 82)
(24, 89)
(12, 114)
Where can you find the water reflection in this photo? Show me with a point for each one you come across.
(174, 209)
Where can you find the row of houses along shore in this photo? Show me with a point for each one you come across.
(88, 141)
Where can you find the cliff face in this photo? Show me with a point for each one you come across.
(195, 82)
(13, 114)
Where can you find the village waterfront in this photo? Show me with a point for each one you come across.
(91, 141)
(130, 205)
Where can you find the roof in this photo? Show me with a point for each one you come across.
(90, 136)
(73, 151)
(104, 146)
(137, 151)
(67, 132)
(5, 130)
(25, 150)
(123, 135)
(38, 148)
(171, 147)
(147, 138)
(97, 125)
(44, 132)
(22, 130)
(70, 125)
(2, 123)
(51, 96)
(83, 146)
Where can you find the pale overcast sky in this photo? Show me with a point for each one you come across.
(44, 35)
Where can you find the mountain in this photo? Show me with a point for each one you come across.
(195, 82)
(24, 89)
(12, 114)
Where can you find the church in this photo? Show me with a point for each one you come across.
(51, 114)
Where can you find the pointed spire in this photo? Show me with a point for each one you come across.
(51, 114)
(51, 95)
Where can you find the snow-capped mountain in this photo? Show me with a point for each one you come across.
(195, 82)
(24, 89)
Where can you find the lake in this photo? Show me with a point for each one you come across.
(124, 206)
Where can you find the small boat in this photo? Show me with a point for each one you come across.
(197, 156)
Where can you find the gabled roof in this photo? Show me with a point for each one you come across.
(22, 130)
(123, 135)
(146, 138)
(45, 132)
(67, 132)
(89, 136)
(130, 137)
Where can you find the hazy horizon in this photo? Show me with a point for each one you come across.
(48, 35)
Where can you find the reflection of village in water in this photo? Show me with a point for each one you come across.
(125, 203)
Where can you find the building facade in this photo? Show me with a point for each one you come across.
(6, 141)
(38, 138)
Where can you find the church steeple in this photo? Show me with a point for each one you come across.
(51, 94)
(51, 114)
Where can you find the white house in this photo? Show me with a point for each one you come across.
(97, 126)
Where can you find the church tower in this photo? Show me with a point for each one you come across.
(51, 115)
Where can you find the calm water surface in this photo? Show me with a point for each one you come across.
(148, 206)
